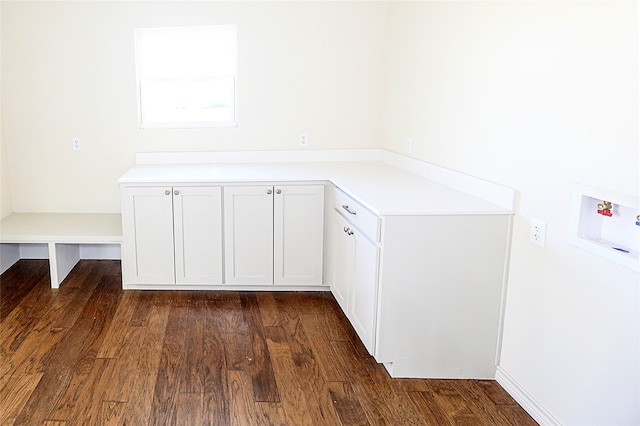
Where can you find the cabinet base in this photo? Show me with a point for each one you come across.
(266, 287)
(417, 369)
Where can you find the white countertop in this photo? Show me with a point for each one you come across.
(384, 189)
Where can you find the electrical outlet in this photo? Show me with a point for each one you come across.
(76, 144)
(408, 145)
(538, 232)
(303, 139)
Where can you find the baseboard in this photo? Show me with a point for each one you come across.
(526, 400)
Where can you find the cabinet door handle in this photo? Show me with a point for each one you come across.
(269, 191)
(349, 232)
(278, 191)
(167, 192)
(346, 207)
(176, 192)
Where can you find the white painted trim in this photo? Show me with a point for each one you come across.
(525, 399)
(258, 156)
(492, 192)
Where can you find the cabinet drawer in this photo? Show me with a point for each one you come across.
(358, 215)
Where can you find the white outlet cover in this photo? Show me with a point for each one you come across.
(538, 233)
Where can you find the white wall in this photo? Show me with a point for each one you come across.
(5, 187)
(68, 70)
(536, 95)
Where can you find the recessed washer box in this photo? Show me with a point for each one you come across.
(613, 234)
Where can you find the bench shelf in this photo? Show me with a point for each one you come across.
(63, 238)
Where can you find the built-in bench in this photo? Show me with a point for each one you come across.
(63, 238)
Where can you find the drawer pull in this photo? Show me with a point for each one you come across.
(346, 207)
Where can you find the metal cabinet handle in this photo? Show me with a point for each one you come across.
(278, 191)
(349, 232)
(269, 191)
(167, 192)
(176, 192)
(346, 207)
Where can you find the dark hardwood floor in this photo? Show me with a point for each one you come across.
(90, 353)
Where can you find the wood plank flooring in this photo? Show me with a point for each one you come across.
(89, 353)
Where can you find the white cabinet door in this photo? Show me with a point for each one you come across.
(355, 278)
(364, 289)
(298, 234)
(148, 235)
(342, 258)
(248, 235)
(198, 235)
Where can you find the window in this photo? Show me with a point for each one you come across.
(186, 76)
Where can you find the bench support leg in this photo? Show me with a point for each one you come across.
(62, 259)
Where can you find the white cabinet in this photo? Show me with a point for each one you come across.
(147, 228)
(418, 268)
(440, 291)
(298, 232)
(198, 235)
(364, 289)
(248, 229)
(422, 287)
(172, 235)
(342, 258)
(274, 234)
(355, 277)
(422, 292)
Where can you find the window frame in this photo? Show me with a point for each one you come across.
(142, 124)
